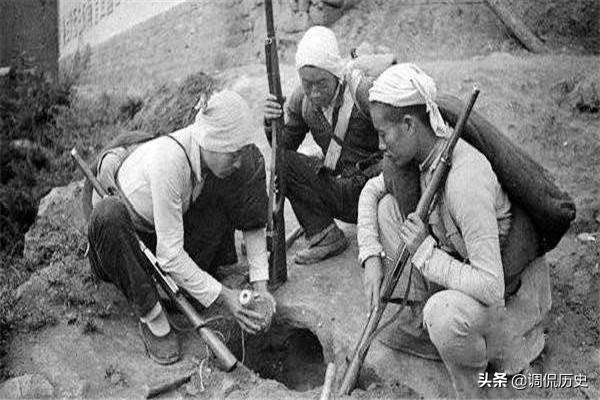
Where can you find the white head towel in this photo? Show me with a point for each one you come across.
(319, 48)
(405, 85)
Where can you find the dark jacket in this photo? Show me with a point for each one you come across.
(361, 142)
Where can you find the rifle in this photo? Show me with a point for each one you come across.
(226, 359)
(276, 242)
(390, 281)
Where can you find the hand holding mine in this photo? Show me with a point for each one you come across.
(248, 320)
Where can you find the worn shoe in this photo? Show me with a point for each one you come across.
(162, 350)
(407, 334)
(324, 245)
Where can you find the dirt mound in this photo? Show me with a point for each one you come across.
(171, 107)
(580, 93)
(433, 30)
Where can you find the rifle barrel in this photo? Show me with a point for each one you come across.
(275, 220)
(269, 15)
(391, 279)
(226, 359)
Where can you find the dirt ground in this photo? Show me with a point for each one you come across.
(82, 337)
(540, 103)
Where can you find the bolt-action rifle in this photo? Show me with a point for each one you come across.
(276, 242)
(390, 280)
(225, 358)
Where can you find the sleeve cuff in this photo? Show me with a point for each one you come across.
(213, 290)
(424, 252)
(370, 251)
(257, 254)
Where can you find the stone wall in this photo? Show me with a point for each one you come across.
(29, 32)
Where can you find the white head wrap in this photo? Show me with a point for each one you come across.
(405, 85)
(319, 48)
(223, 124)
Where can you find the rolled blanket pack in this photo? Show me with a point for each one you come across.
(526, 182)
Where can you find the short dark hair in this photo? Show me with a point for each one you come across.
(395, 114)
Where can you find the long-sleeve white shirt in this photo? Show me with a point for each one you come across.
(476, 202)
(157, 180)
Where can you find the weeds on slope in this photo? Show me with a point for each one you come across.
(40, 121)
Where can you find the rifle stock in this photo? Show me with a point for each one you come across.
(276, 242)
(226, 359)
(391, 279)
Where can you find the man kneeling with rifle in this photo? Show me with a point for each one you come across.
(455, 287)
(183, 195)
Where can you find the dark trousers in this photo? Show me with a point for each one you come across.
(115, 255)
(318, 197)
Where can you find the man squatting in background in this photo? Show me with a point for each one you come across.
(321, 190)
(457, 287)
(185, 193)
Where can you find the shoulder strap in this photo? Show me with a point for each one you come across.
(144, 224)
(334, 150)
(304, 107)
(354, 149)
(453, 234)
(184, 152)
(354, 79)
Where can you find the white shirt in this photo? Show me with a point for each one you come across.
(157, 180)
(477, 203)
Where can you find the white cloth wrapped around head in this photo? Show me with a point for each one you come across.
(403, 85)
(319, 48)
(224, 124)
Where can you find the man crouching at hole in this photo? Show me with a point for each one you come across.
(456, 311)
(184, 194)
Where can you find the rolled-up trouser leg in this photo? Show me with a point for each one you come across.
(318, 198)
(116, 257)
(457, 324)
(390, 220)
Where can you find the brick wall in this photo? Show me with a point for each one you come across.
(29, 30)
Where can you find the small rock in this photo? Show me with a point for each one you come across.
(192, 389)
(586, 237)
(26, 387)
(228, 386)
(71, 317)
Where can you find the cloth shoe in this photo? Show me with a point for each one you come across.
(325, 244)
(163, 350)
(407, 334)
